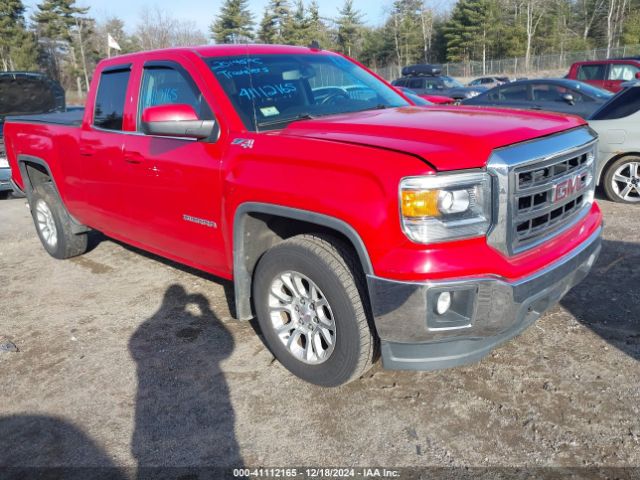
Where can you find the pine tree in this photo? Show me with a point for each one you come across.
(296, 28)
(349, 24)
(18, 47)
(234, 24)
(274, 22)
(56, 21)
(318, 30)
(467, 31)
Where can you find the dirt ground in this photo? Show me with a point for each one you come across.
(129, 360)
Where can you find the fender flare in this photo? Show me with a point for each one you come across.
(242, 276)
(23, 159)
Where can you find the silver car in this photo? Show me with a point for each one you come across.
(618, 125)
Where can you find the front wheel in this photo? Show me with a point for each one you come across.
(622, 180)
(310, 299)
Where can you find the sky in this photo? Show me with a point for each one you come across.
(202, 12)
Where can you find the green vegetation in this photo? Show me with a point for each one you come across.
(63, 40)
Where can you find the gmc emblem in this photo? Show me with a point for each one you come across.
(568, 187)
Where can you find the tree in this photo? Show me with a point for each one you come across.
(234, 23)
(115, 27)
(535, 11)
(56, 22)
(470, 31)
(296, 28)
(318, 28)
(18, 47)
(157, 29)
(274, 22)
(349, 24)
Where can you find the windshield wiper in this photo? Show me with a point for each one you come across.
(302, 116)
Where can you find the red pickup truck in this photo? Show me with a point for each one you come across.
(352, 223)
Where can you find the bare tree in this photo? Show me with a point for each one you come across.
(615, 20)
(426, 20)
(157, 29)
(534, 11)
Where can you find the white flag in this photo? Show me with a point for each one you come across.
(112, 42)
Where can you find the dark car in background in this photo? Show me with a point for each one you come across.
(428, 79)
(427, 99)
(24, 93)
(608, 74)
(553, 95)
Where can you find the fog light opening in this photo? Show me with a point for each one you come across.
(443, 303)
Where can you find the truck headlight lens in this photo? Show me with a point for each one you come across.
(446, 207)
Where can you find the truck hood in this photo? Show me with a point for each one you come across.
(449, 138)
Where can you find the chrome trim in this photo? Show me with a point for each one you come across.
(400, 308)
(139, 134)
(502, 166)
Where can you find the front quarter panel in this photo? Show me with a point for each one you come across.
(355, 184)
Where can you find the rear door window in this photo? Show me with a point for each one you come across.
(516, 93)
(622, 105)
(110, 99)
(592, 72)
(416, 83)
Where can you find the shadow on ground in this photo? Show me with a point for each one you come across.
(183, 414)
(36, 446)
(184, 420)
(608, 300)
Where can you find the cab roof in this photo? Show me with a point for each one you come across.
(208, 51)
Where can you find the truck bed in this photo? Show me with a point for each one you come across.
(71, 118)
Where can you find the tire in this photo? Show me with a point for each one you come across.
(333, 269)
(622, 174)
(53, 224)
(5, 194)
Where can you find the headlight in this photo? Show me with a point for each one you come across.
(441, 208)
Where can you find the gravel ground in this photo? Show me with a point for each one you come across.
(129, 360)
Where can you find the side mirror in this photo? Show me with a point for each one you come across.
(179, 120)
(638, 75)
(567, 97)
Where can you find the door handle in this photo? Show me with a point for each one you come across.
(133, 157)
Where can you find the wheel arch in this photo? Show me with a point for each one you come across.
(259, 226)
(35, 171)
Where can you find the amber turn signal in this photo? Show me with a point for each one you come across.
(420, 203)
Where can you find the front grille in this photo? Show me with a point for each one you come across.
(548, 196)
(543, 187)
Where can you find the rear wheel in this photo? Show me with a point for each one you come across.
(622, 180)
(5, 194)
(310, 299)
(53, 224)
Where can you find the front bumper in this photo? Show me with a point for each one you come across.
(484, 313)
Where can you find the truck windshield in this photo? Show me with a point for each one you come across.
(271, 91)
